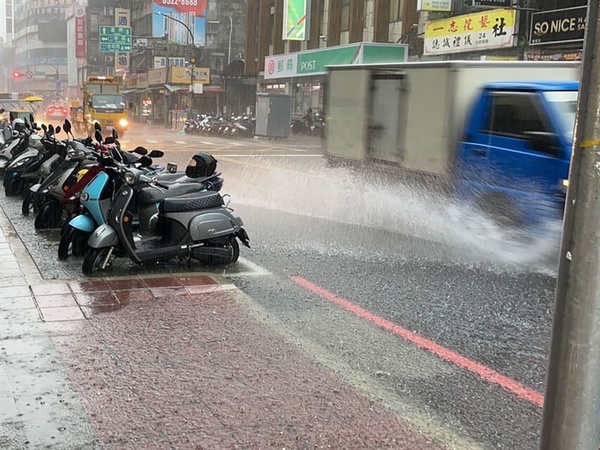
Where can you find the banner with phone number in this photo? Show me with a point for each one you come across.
(184, 6)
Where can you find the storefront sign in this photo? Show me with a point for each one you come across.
(157, 76)
(558, 26)
(315, 62)
(142, 80)
(470, 32)
(281, 66)
(559, 56)
(493, 3)
(161, 61)
(296, 14)
(181, 75)
(80, 37)
(434, 5)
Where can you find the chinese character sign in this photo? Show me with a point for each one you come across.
(80, 38)
(471, 32)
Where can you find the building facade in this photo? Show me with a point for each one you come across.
(337, 31)
(40, 47)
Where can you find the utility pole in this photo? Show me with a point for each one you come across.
(192, 58)
(571, 418)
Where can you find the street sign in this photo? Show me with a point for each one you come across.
(115, 39)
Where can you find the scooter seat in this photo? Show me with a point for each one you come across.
(191, 202)
(150, 195)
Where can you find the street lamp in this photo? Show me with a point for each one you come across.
(192, 59)
(56, 77)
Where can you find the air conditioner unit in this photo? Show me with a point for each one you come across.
(109, 58)
(109, 11)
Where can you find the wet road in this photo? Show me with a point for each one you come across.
(349, 265)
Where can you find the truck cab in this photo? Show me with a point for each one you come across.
(514, 155)
(104, 104)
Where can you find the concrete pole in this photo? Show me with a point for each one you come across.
(571, 419)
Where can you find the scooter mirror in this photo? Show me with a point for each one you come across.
(115, 135)
(2, 110)
(45, 128)
(57, 129)
(140, 151)
(156, 154)
(31, 119)
(67, 126)
(97, 126)
(109, 140)
(98, 136)
(51, 129)
(145, 161)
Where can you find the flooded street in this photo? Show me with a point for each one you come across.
(415, 302)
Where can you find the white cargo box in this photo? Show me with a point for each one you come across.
(413, 114)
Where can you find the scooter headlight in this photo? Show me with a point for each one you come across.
(123, 122)
(129, 178)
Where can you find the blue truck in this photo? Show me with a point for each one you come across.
(497, 134)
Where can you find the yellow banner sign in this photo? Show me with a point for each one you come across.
(480, 31)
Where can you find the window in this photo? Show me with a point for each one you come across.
(345, 15)
(515, 114)
(395, 10)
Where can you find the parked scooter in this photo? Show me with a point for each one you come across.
(198, 225)
(27, 157)
(96, 196)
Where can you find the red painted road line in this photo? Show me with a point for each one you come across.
(482, 371)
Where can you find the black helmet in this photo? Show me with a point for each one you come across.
(201, 165)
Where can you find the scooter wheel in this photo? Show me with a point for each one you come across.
(49, 216)
(72, 242)
(232, 245)
(27, 205)
(11, 188)
(94, 258)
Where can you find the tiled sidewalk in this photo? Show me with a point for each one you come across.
(169, 362)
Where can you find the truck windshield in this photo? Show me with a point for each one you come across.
(566, 106)
(108, 102)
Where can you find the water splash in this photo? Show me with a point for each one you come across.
(379, 200)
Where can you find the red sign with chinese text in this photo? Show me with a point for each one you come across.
(80, 33)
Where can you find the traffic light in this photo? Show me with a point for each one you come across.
(17, 74)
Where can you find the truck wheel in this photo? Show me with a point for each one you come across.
(501, 209)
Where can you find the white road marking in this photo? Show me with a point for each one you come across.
(152, 141)
(208, 143)
(180, 142)
(237, 144)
